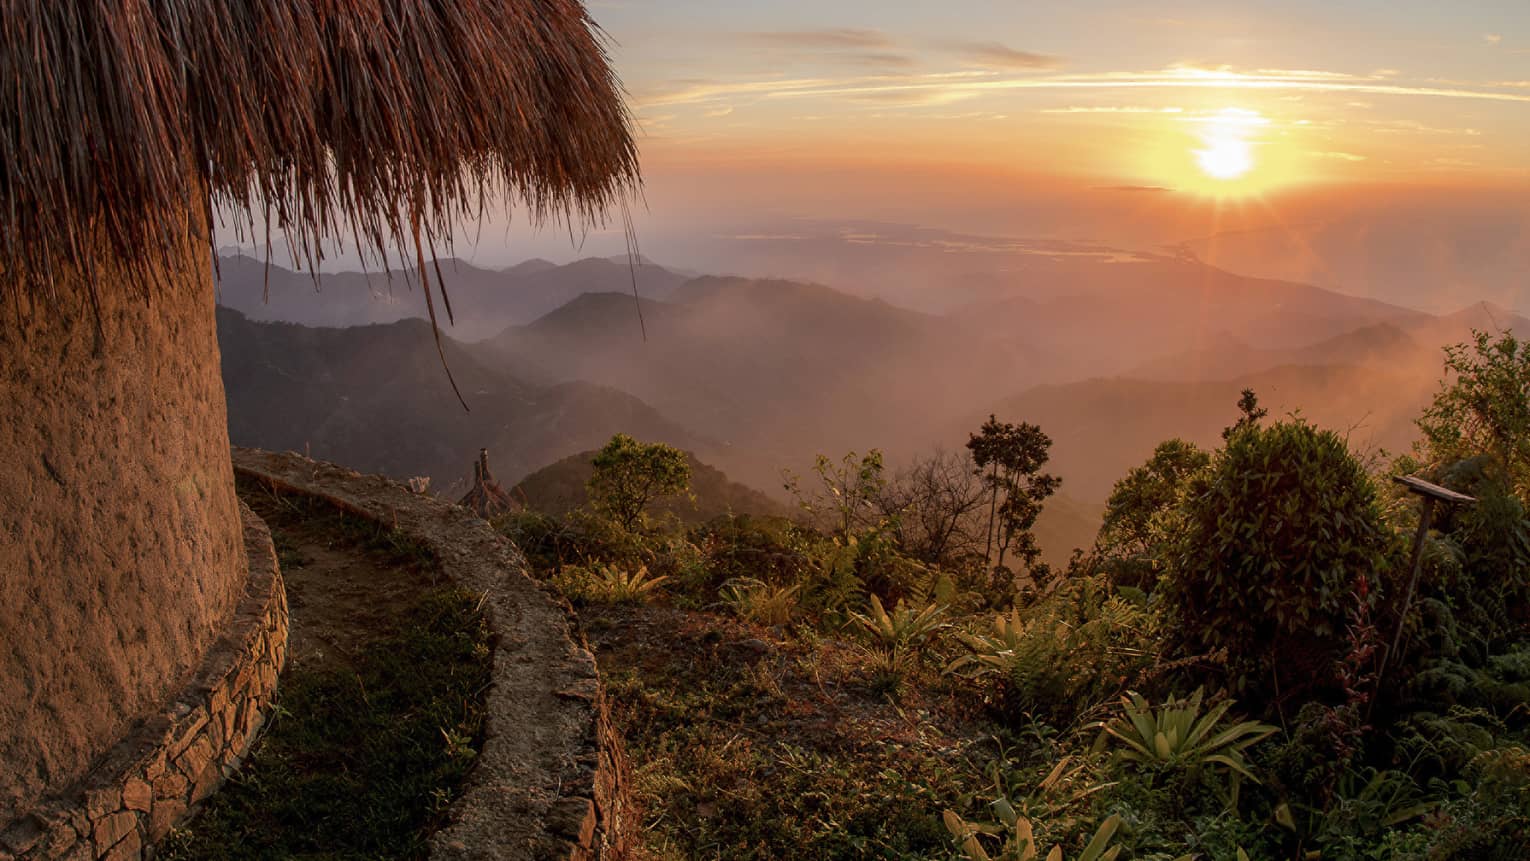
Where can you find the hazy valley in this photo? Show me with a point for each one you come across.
(1108, 352)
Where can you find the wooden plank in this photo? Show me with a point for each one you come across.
(1430, 489)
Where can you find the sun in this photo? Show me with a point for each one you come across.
(1225, 159)
(1227, 152)
(1223, 153)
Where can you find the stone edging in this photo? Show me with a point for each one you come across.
(550, 780)
(149, 782)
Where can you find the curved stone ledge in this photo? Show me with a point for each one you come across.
(550, 781)
(149, 782)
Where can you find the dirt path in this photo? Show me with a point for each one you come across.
(549, 782)
(344, 591)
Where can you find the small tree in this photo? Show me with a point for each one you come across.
(844, 498)
(1011, 457)
(630, 474)
(1141, 514)
(1483, 407)
(935, 508)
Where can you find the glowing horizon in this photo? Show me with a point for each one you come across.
(1102, 92)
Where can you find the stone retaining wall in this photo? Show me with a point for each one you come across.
(550, 781)
(149, 782)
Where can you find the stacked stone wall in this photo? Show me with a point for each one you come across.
(151, 781)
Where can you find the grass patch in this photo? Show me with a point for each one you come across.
(365, 750)
(747, 750)
(363, 763)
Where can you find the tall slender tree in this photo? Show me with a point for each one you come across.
(1013, 455)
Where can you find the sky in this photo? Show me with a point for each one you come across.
(1115, 92)
(1376, 146)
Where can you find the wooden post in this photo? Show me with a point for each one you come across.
(1424, 516)
(1430, 493)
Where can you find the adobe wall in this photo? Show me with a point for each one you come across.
(120, 551)
(150, 781)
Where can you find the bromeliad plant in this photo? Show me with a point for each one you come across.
(623, 586)
(1065, 659)
(906, 630)
(998, 652)
(1020, 840)
(1179, 736)
(756, 601)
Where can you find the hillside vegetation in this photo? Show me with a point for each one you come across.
(1242, 665)
(560, 488)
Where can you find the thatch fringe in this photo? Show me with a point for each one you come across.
(382, 121)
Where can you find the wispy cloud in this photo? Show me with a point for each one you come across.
(1176, 77)
(996, 55)
(1112, 109)
(933, 96)
(1492, 38)
(1416, 127)
(1183, 77)
(1341, 156)
(883, 59)
(868, 48)
(830, 38)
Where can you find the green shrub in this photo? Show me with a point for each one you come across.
(1062, 659)
(772, 549)
(1144, 512)
(1483, 407)
(902, 634)
(630, 474)
(1277, 535)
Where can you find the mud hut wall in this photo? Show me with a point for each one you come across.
(120, 549)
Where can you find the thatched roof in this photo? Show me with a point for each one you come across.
(383, 120)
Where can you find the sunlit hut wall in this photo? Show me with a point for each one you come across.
(125, 127)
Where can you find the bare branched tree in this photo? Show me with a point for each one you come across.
(936, 508)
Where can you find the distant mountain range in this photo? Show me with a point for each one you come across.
(374, 398)
(485, 301)
(1108, 354)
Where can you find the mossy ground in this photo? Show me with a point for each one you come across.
(377, 718)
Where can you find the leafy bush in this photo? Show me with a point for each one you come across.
(1483, 407)
(1277, 535)
(1143, 514)
(1485, 578)
(1366, 804)
(771, 549)
(1065, 657)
